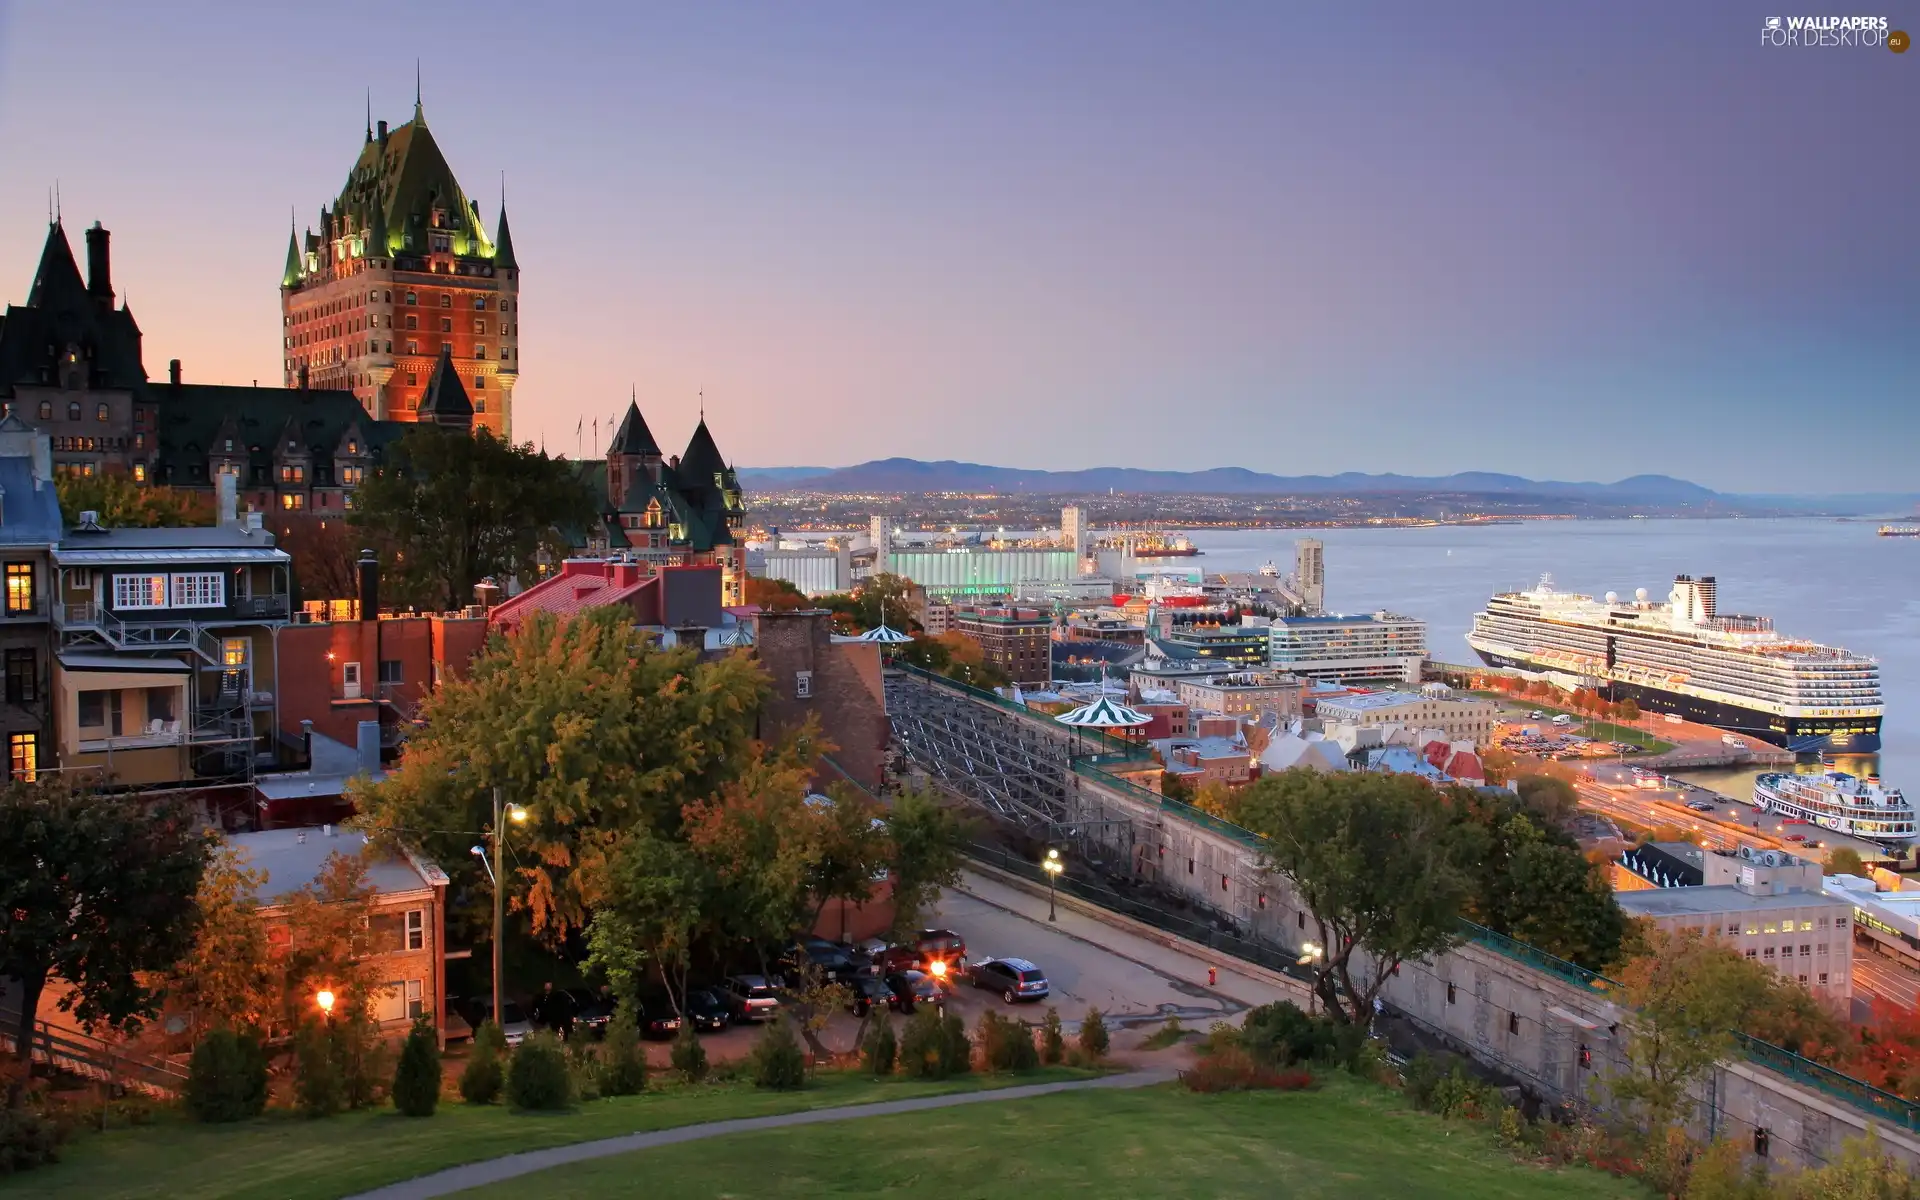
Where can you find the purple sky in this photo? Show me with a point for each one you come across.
(1300, 238)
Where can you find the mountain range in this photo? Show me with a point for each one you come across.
(916, 475)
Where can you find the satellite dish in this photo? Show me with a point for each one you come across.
(1639, 595)
(1613, 597)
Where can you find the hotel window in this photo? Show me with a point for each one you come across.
(412, 299)
(23, 678)
(100, 412)
(292, 501)
(293, 474)
(23, 756)
(413, 348)
(200, 589)
(140, 469)
(446, 325)
(20, 589)
(479, 381)
(73, 410)
(479, 326)
(446, 301)
(46, 410)
(413, 322)
(480, 352)
(139, 591)
(352, 475)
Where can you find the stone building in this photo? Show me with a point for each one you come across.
(400, 275)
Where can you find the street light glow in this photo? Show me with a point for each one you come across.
(325, 999)
(516, 813)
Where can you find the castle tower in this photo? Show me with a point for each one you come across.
(400, 274)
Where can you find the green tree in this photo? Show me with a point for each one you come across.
(538, 1079)
(593, 730)
(689, 1056)
(852, 850)
(929, 654)
(778, 1062)
(416, 1081)
(929, 844)
(124, 504)
(655, 905)
(483, 1077)
(1093, 1035)
(879, 1048)
(1534, 884)
(1689, 993)
(317, 1083)
(457, 509)
(226, 1078)
(1053, 1041)
(1845, 860)
(1550, 797)
(98, 889)
(1379, 862)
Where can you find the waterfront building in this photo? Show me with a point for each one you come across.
(1375, 646)
(1085, 591)
(1435, 706)
(1016, 640)
(1310, 575)
(1239, 645)
(1767, 904)
(1891, 919)
(401, 273)
(971, 574)
(1073, 530)
(817, 570)
(1242, 694)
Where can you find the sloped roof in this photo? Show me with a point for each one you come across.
(29, 511)
(59, 313)
(191, 417)
(445, 399)
(633, 436)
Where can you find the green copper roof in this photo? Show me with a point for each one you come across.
(503, 242)
(292, 274)
(634, 437)
(399, 181)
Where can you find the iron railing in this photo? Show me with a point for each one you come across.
(1101, 742)
(1845, 1088)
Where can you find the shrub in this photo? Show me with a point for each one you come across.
(778, 1062)
(416, 1081)
(956, 1048)
(1166, 1035)
(1006, 1045)
(1233, 1069)
(880, 1049)
(689, 1057)
(359, 1059)
(490, 1038)
(1053, 1043)
(317, 1075)
(1093, 1035)
(482, 1080)
(1282, 1034)
(584, 1068)
(226, 1078)
(920, 1045)
(28, 1139)
(623, 1061)
(537, 1076)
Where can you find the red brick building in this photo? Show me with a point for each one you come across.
(1019, 641)
(837, 682)
(400, 272)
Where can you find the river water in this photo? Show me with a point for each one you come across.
(1828, 581)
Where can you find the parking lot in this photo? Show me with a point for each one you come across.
(1129, 978)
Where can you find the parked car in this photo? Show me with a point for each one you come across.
(515, 1023)
(1536, 715)
(1700, 806)
(868, 991)
(656, 1016)
(750, 998)
(1015, 979)
(830, 958)
(943, 944)
(908, 988)
(592, 1011)
(708, 1010)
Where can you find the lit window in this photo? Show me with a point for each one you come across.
(139, 591)
(23, 756)
(139, 469)
(293, 474)
(411, 299)
(199, 589)
(20, 600)
(292, 501)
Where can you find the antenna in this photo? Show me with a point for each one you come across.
(416, 87)
(56, 202)
(369, 113)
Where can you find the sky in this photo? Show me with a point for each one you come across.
(1574, 241)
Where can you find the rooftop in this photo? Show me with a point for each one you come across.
(293, 858)
(1343, 619)
(1720, 898)
(1377, 700)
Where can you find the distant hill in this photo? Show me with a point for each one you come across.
(914, 475)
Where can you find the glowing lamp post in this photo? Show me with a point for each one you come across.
(501, 814)
(324, 999)
(1052, 865)
(1310, 955)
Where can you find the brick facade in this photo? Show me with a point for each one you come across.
(836, 683)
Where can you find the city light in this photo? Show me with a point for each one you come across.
(325, 1000)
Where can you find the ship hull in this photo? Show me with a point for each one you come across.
(1801, 735)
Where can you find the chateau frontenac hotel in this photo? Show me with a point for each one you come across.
(401, 274)
(399, 309)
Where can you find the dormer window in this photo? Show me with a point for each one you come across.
(229, 446)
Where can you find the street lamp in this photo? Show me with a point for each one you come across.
(1052, 865)
(518, 815)
(324, 999)
(1309, 954)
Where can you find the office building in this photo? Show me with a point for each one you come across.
(1238, 645)
(1462, 718)
(1073, 530)
(1376, 646)
(1016, 640)
(1242, 694)
(400, 274)
(1310, 575)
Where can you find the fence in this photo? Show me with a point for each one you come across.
(1845, 1088)
(1100, 742)
(90, 1057)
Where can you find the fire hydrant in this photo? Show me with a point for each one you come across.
(1213, 976)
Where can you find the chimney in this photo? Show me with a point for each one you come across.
(226, 487)
(383, 133)
(367, 743)
(173, 371)
(99, 267)
(369, 569)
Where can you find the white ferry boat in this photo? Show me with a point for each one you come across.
(1686, 658)
(1844, 803)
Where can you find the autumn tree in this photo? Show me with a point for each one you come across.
(852, 850)
(591, 728)
(124, 504)
(225, 979)
(324, 552)
(1379, 863)
(458, 508)
(775, 595)
(100, 891)
(1689, 993)
(330, 926)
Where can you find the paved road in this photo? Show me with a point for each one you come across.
(512, 1166)
(1887, 980)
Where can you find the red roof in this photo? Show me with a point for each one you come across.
(581, 584)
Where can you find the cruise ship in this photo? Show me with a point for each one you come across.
(1687, 658)
(1838, 801)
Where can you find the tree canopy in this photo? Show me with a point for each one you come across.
(99, 890)
(775, 595)
(455, 509)
(124, 504)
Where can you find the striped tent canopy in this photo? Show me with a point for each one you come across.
(885, 636)
(1104, 713)
(739, 635)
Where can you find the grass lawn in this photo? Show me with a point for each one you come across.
(285, 1157)
(1345, 1139)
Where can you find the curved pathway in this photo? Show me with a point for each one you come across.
(495, 1170)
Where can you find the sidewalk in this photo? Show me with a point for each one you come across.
(1241, 982)
(512, 1166)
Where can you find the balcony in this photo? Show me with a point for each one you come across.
(262, 608)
